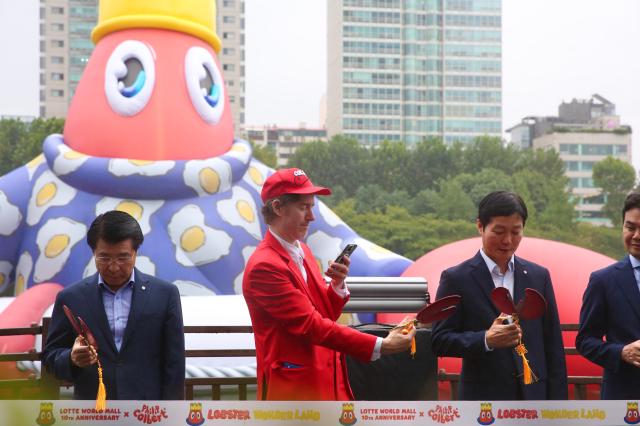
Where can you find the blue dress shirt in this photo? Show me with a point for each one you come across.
(635, 264)
(117, 306)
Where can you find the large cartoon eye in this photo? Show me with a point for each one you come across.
(129, 77)
(204, 84)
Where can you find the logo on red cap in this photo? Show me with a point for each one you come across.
(290, 181)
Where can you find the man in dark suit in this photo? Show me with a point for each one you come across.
(483, 337)
(611, 310)
(136, 320)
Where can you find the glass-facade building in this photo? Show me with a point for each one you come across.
(65, 48)
(411, 69)
(83, 16)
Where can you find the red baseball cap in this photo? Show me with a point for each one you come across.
(290, 181)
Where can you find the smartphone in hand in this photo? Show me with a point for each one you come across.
(350, 248)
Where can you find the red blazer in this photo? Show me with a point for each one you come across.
(299, 346)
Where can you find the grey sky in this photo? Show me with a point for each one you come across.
(553, 50)
(19, 62)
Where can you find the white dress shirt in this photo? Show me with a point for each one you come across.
(505, 280)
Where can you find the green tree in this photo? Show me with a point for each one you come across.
(20, 142)
(454, 203)
(338, 194)
(544, 161)
(424, 202)
(341, 161)
(546, 197)
(12, 133)
(479, 184)
(402, 232)
(374, 198)
(489, 152)
(616, 178)
(428, 162)
(265, 154)
(389, 163)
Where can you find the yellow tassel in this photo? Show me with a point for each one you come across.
(101, 399)
(413, 347)
(405, 331)
(528, 376)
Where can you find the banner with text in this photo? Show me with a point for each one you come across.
(196, 413)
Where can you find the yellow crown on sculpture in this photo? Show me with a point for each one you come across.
(195, 406)
(632, 405)
(485, 406)
(347, 406)
(194, 17)
(46, 406)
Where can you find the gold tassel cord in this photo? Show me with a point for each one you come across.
(405, 331)
(101, 398)
(413, 347)
(528, 376)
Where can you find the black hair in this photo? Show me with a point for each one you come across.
(501, 203)
(267, 210)
(631, 202)
(114, 227)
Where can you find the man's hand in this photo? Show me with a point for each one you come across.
(81, 355)
(502, 336)
(397, 341)
(338, 272)
(631, 353)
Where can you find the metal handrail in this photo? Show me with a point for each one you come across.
(383, 294)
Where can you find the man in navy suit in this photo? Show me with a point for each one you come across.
(611, 310)
(136, 320)
(483, 337)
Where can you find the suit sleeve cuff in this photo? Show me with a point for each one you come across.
(340, 289)
(486, 347)
(377, 349)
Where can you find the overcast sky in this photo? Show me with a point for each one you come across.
(553, 50)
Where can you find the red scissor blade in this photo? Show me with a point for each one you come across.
(72, 319)
(532, 306)
(503, 300)
(439, 310)
(87, 334)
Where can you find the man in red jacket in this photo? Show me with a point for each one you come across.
(299, 346)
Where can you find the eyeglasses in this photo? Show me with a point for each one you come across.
(120, 260)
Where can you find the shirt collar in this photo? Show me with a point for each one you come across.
(493, 266)
(635, 263)
(294, 248)
(132, 279)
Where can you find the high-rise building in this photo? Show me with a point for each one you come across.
(284, 140)
(65, 48)
(411, 69)
(230, 29)
(583, 133)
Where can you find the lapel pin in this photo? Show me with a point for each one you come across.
(525, 272)
(143, 287)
